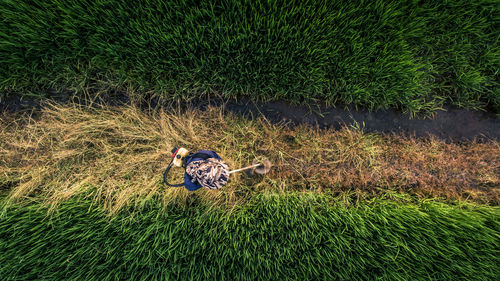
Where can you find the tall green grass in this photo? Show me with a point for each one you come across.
(413, 55)
(275, 237)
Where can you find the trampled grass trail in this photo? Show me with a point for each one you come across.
(120, 153)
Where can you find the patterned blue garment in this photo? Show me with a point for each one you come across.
(211, 173)
(205, 169)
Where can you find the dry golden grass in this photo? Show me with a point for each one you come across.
(117, 154)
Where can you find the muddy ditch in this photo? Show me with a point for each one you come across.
(451, 124)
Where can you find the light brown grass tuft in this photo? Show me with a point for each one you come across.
(117, 154)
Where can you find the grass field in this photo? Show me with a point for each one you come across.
(81, 188)
(411, 55)
(274, 237)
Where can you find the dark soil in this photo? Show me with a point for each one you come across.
(451, 124)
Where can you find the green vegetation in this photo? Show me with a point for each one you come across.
(412, 55)
(275, 237)
(80, 188)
